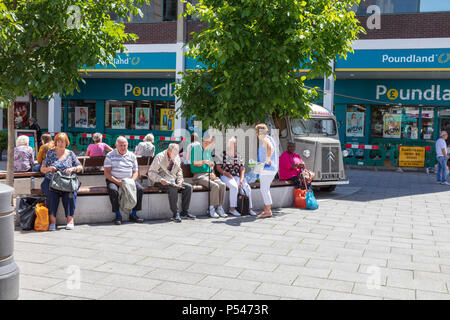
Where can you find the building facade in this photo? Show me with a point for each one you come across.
(393, 91)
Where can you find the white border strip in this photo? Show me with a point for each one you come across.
(143, 48)
(425, 43)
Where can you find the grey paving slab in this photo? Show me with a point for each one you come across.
(384, 225)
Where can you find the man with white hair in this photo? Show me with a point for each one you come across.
(442, 158)
(166, 173)
(122, 164)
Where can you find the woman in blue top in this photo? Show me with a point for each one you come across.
(66, 161)
(268, 153)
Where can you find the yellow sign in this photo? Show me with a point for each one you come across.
(167, 119)
(411, 157)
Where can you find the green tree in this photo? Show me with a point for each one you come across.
(43, 43)
(251, 51)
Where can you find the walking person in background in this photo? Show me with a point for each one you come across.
(442, 158)
(268, 153)
(98, 148)
(33, 125)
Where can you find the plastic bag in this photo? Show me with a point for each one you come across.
(311, 201)
(42, 220)
(251, 177)
(26, 211)
(300, 198)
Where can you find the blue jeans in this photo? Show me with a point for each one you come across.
(53, 200)
(442, 167)
(36, 168)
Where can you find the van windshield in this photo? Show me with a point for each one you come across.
(314, 126)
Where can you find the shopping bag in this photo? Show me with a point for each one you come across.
(300, 198)
(42, 221)
(311, 201)
(26, 211)
(243, 202)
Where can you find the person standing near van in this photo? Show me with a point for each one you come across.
(442, 158)
(268, 153)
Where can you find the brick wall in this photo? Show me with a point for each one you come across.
(149, 33)
(404, 26)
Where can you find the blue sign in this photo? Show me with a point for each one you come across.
(139, 62)
(426, 92)
(396, 60)
(126, 89)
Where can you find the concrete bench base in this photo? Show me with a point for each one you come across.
(97, 209)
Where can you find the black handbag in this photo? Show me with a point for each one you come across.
(26, 211)
(62, 182)
(243, 202)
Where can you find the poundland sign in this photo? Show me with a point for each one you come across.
(396, 60)
(434, 92)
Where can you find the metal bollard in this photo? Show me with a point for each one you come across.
(9, 272)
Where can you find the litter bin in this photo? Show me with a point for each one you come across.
(9, 272)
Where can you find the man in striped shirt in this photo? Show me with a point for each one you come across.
(120, 164)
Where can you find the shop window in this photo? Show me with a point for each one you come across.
(157, 11)
(426, 132)
(389, 6)
(354, 120)
(386, 122)
(164, 116)
(434, 5)
(132, 115)
(81, 114)
(410, 123)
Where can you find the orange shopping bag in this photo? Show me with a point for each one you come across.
(300, 198)
(41, 223)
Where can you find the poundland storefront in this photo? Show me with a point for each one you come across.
(378, 118)
(132, 98)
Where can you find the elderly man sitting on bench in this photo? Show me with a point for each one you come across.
(166, 173)
(122, 164)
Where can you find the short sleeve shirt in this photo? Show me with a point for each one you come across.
(97, 149)
(51, 159)
(199, 154)
(441, 144)
(122, 166)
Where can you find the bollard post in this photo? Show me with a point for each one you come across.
(9, 272)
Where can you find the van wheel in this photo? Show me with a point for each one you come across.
(328, 188)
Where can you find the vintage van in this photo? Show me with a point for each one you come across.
(317, 142)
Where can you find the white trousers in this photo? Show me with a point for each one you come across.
(265, 180)
(233, 185)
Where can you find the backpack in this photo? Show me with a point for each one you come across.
(42, 221)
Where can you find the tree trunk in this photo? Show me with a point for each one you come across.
(10, 156)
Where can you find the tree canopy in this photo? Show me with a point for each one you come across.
(251, 51)
(43, 43)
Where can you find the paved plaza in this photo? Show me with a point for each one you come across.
(385, 236)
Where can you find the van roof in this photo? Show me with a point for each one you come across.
(319, 110)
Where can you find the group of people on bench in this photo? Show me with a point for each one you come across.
(165, 172)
